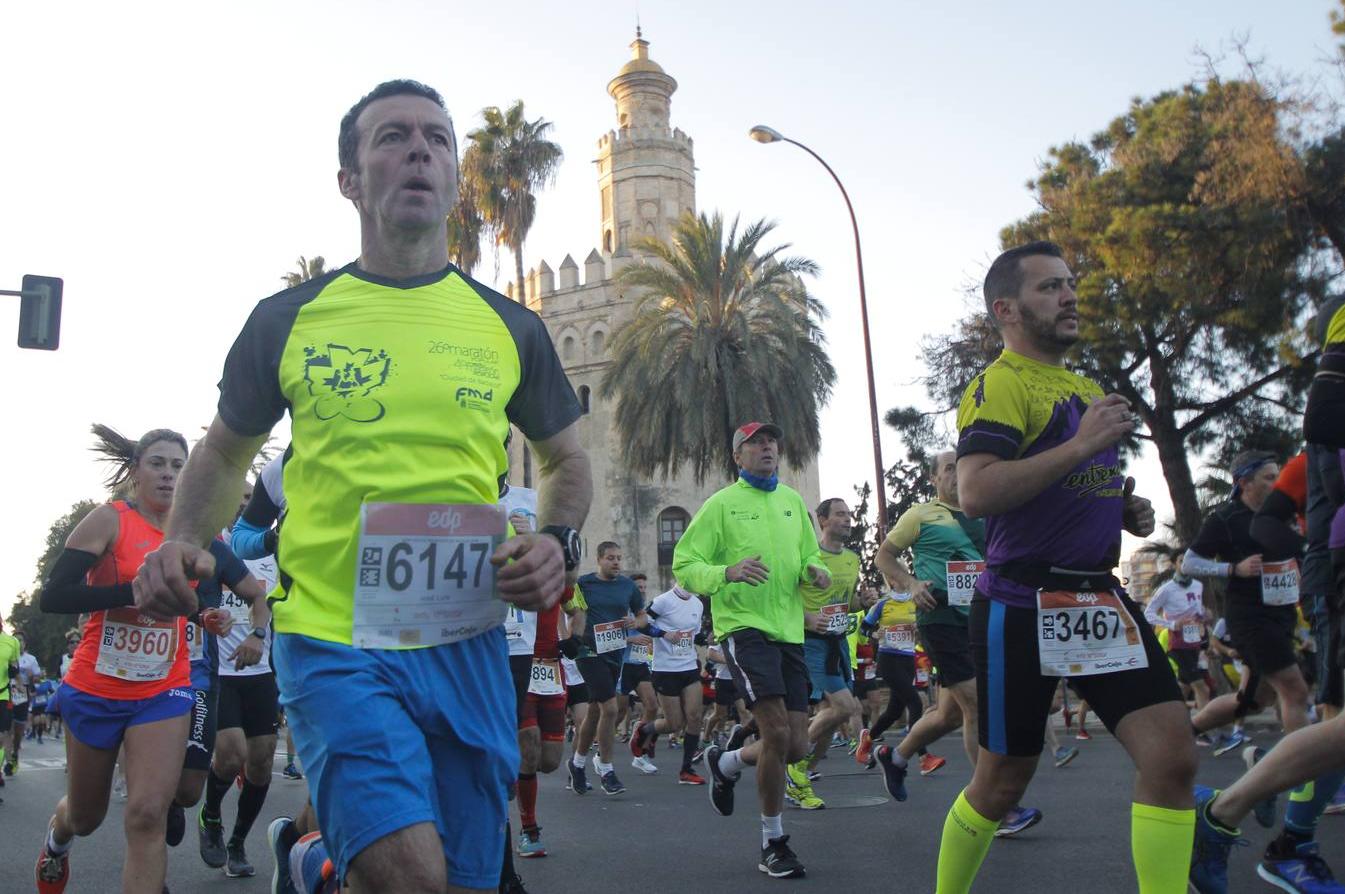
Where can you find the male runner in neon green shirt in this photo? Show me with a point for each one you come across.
(10, 650)
(748, 548)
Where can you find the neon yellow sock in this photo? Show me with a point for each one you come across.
(1160, 844)
(966, 838)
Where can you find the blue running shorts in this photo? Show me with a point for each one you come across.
(394, 737)
(101, 722)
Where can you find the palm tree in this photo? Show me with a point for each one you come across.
(308, 269)
(725, 333)
(513, 159)
(465, 222)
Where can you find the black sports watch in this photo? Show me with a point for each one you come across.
(569, 543)
(259, 632)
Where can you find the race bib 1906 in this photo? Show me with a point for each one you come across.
(962, 577)
(135, 647)
(424, 576)
(1279, 582)
(1081, 634)
(609, 637)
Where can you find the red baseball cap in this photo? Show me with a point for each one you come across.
(751, 428)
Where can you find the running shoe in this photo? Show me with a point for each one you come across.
(1204, 741)
(839, 741)
(281, 835)
(578, 780)
(721, 787)
(1264, 810)
(778, 861)
(894, 777)
(237, 865)
(637, 741)
(865, 749)
(1337, 804)
(1230, 742)
(686, 777)
(53, 872)
(610, 784)
(176, 826)
(814, 775)
(1083, 735)
(9, 768)
(210, 834)
(513, 886)
(1209, 856)
(291, 772)
(1064, 755)
(737, 737)
(697, 755)
(644, 765)
(14, 767)
(796, 774)
(930, 763)
(1304, 873)
(1019, 819)
(530, 843)
(804, 798)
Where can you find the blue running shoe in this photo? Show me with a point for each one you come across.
(1337, 804)
(578, 779)
(1305, 873)
(610, 784)
(1230, 742)
(894, 777)
(281, 836)
(1209, 855)
(1019, 819)
(1264, 810)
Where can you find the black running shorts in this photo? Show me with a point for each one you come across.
(950, 650)
(601, 676)
(1014, 697)
(764, 668)
(671, 683)
(250, 703)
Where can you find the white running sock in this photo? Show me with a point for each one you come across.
(897, 760)
(578, 759)
(731, 762)
(771, 827)
(603, 769)
(57, 849)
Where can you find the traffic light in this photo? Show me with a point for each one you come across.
(40, 313)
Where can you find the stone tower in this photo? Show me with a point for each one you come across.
(646, 172)
(646, 179)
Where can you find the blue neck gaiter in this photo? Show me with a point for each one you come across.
(766, 484)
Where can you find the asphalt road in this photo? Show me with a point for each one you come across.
(661, 836)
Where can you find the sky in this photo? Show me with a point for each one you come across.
(171, 161)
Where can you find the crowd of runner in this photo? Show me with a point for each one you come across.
(384, 554)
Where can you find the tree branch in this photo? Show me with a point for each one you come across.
(1228, 400)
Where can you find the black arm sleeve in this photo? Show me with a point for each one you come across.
(66, 593)
(1271, 529)
(261, 510)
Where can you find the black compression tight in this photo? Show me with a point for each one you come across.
(898, 672)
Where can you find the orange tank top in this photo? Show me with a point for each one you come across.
(124, 654)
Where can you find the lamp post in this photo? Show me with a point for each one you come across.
(763, 134)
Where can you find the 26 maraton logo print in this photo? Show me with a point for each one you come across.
(341, 380)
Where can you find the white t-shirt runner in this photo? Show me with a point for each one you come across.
(1181, 608)
(520, 626)
(264, 570)
(680, 620)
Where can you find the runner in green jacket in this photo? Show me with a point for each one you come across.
(748, 548)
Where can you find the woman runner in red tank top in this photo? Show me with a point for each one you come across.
(128, 685)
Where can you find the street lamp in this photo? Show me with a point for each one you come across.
(764, 134)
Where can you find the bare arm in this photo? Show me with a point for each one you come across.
(531, 569)
(566, 488)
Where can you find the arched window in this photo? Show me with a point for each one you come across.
(584, 393)
(567, 349)
(599, 342)
(672, 524)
